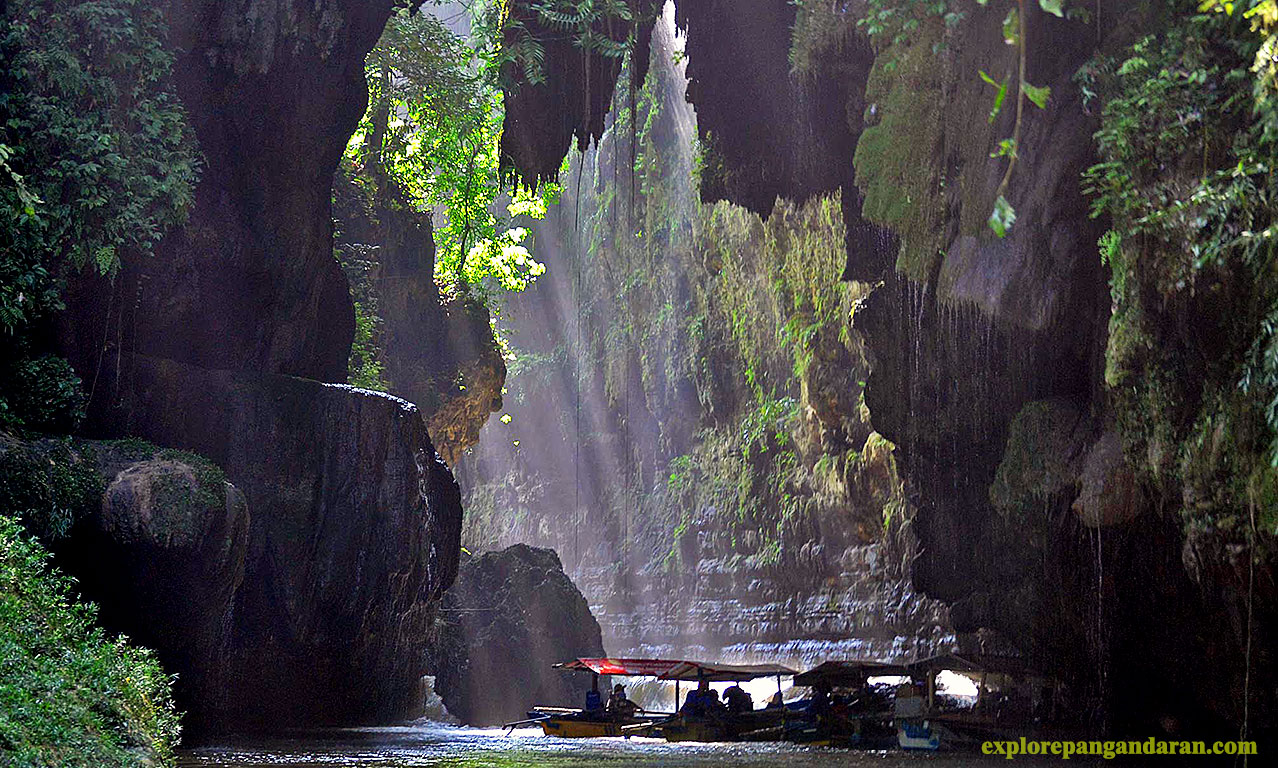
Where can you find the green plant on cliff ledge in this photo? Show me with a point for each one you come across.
(365, 368)
(432, 133)
(1182, 233)
(70, 696)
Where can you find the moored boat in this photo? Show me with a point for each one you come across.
(706, 719)
(616, 717)
(1011, 700)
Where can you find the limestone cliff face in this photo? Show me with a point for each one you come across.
(1058, 452)
(222, 342)
(686, 426)
(987, 360)
(437, 351)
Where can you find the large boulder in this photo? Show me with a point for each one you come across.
(354, 535)
(163, 554)
(508, 618)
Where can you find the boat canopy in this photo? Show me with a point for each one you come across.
(718, 673)
(625, 667)
(971, 663)
(854, 672)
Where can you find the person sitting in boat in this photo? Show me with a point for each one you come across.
(776, 702)
(619, 705)
(701, 701)
(738, 700)
(820, 698)
(594, 702)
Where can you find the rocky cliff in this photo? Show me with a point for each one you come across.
(436, 351)
(225, 342)
(1056, 441)
(509, 617)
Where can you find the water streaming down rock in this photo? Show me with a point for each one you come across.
(656, 377)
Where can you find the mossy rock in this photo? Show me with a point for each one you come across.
(1041, 462)
(896, 156)
(48, 483)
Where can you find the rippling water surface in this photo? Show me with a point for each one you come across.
(440, 745)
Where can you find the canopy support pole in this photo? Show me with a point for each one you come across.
(676, 708)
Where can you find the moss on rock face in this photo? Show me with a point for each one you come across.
(897, 155)
(69, 696)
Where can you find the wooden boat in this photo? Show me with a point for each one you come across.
(1002, 710)
(722, 725)
(598, 721)
(845, 710)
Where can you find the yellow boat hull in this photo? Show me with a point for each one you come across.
(567, 728)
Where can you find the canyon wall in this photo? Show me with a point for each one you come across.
(232, 340)
(1088, 463)
(684, 423)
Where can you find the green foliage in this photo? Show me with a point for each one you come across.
(820, 29)
(365, 369)
(1187, 147)
(1015, 34)
(96, 162)
(40, 393)
(431, 135)
(100, 140)
(48, 484)
(896, 22)
(70, 696)
(521, 55)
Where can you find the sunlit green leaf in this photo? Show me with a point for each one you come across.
(1055, 7)
(1037, 94)
(999, 96)
(1002, 217)
(1012, 28)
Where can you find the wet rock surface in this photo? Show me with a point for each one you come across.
(353, 539)
(508, 618)
(1109, 567)
(352, 528)
(163, 556)
(438, 351)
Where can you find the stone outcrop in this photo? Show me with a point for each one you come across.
(508, 618)
(220, 343)
(353, 539)
(163, 556)
(438, 352)
(568, 92)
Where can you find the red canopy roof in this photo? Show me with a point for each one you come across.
(627, 667)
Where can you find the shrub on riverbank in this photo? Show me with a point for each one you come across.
(69, 695)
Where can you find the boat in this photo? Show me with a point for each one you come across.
(719, 723)
(845, 708)
(596, 720)
(1011, 701)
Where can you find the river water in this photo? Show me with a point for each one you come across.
(455, 747)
